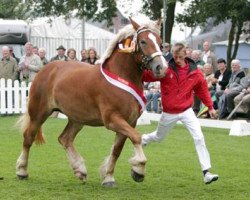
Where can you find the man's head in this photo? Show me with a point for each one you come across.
(235, 65)
(28, 48)
(61, 50)
(195, 55)
(221, 64)
(41, 52)
(6, 52)
(208, 69)
(35, 50)
(179, 53)
(165, 47)
(206, 46)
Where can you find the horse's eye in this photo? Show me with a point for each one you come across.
(142, 42)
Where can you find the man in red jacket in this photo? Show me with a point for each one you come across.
(183, 79)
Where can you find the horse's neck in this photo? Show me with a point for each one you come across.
(124, 65)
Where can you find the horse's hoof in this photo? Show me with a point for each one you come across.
(81, 176)
(109, 184)
(137, 177)
(22, 177)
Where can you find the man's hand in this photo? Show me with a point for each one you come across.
(212, 113)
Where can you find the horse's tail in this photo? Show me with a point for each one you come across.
(23, 123)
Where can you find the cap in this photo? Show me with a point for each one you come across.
(61, 47)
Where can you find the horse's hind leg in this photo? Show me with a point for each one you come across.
(31, 132)
(107, 168)
(66, 139)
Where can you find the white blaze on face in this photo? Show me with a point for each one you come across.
(153, 38)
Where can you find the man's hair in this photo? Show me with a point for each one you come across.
(221, 60)
(235, 61)
(178, 47)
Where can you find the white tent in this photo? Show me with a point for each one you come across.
(68, 33)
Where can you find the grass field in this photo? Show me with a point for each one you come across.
(172, 170)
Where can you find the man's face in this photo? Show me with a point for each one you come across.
(60, 52)
(235, 67)
(6, 53)
(206, 46)
(28, 49)
(179, 57)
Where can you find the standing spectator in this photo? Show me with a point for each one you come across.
(35, 50)
(71, 54)
(13, 54)
(60, 54)
(8, 65)
(237, 82)
(84, 55)
(92, 56)
(208, 56)
(196, 56)
(153, 95)
(41, 54)
(30, 64)
(166, 51)
(177, 100)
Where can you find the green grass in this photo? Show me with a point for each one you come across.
(172, 170)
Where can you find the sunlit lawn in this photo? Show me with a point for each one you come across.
(173, 170)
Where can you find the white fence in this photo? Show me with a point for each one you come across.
(13, 96)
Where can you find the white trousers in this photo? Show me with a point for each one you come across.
(188, 118)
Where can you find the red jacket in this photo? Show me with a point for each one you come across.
(178, 96)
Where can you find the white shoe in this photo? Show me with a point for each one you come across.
(143, 140)
(209, 178)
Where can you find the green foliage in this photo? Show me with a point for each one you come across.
(91, 9)
(14, 9)
(172, 170)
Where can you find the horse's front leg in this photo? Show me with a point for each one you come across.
(139, 160)
(108, 166)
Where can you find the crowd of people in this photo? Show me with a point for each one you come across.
(228, 88)
(34, 58)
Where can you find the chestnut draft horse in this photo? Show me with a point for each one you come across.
(110, 95)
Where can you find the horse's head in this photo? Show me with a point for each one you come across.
(147, 43)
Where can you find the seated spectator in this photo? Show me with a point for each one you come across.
(208, 75)
(244, 96)
(60, 54)
(237, 82)
(93, 57)
(41, 54)
(8, 65)
(196, 56)
(84, 55)
(152, 97)
(30, 64)
(71, 54)
(221, 79)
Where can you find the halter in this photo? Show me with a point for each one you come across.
(145, 59)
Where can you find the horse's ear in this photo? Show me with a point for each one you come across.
(158, 23)
(134, 24)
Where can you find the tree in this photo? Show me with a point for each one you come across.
(91, 9)
(236, 11)
(153, 10)
(14, 9)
